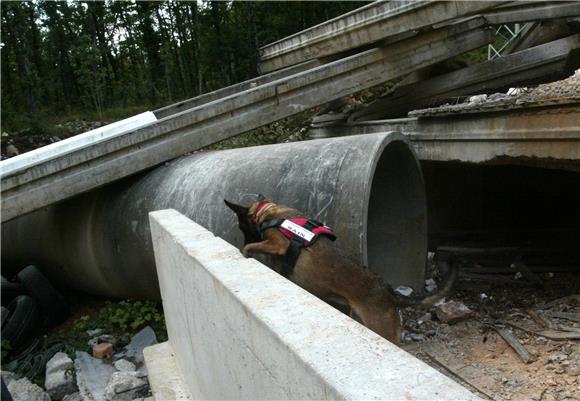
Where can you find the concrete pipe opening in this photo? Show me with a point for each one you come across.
(368, 188)
(396, 219)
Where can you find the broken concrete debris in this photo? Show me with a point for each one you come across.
(430, 285)
(24, 390)
(60, 380)
(452, 312)
(93, 375)
(73, 397)
(404, 290)
(145, 338)
(122, 365)
(125, 386)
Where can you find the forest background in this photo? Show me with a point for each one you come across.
(105, 60)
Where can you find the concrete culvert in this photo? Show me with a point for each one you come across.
(368, 188)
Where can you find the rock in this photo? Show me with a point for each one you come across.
(425, 318)
(73, 397)
(478, 99)
(59, 380)
(95, 332)
(8, 376)
(12, 150)
(92, 376)
(144, 338)
(103, 350)
(430, 285)
(125, 366)
(404, 291)
(125, 386)
(24, 390)
(142, 372)
(452, 312)
(417, 337)
(574, 370)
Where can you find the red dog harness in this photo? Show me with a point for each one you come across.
(301, 232)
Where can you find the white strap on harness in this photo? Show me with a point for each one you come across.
(298, 230)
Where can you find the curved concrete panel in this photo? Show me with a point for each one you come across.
(369, 188)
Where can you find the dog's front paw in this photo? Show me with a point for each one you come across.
(245, 252)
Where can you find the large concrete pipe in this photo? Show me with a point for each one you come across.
(368, 188)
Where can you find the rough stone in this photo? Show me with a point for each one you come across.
(574, 370)
(430, 285)
(125, 386)
(59, 380)
(103, 350)
(144, 338)
(452, 312)
(404, 290)
(73, 397)
(123, 365)
(8, 376)
(92, 376)
(24, 390)
(95, 332)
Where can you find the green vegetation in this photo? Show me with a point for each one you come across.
(123, 318)
(104, 60)
(6, 347)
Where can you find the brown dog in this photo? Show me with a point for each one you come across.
(325, 270)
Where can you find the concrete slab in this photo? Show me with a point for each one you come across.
(533, 11)
(241, 331)
(545, 137)
(165, 379)
(369, 24)
(549, 61)
(103, 162)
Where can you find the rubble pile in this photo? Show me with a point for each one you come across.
(518, 339)
(119, 375)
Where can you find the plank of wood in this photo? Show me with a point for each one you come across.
(548, 333)
(573, 298)
(575, 317)
(539, 319)
(516, 345)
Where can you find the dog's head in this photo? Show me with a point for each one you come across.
(246, 221)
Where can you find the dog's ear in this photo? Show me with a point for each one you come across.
(238, 209)
(261, 198)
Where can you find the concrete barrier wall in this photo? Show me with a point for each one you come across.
(239, 330)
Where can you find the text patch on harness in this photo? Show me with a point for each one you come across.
(298, 230)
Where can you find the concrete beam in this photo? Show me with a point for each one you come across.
(544, 137)
(239, 330)
(548, 61)
(233, 89)
(118, 157)
(536, 11)
(369, 24)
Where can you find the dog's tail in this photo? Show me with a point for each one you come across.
(429, 300)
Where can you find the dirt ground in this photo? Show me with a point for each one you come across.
(473, 353)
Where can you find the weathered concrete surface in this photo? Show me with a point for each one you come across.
(369, 24)
(532, 11)
(369, 189)
(180, 133)
(548, 137)
(554, 60)
(241, 331)
(165, 378)
(233, 89)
